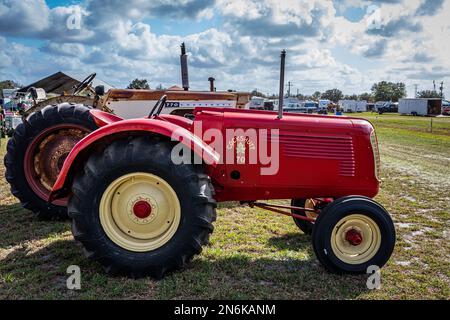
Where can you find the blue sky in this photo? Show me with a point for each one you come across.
(347, 44)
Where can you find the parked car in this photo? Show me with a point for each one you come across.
(446, 107)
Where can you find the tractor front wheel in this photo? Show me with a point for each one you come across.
(136, 212)
(353, 233)
(36, 153)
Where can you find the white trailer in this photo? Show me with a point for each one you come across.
(420, 106)
(323, 104)
(353, 105)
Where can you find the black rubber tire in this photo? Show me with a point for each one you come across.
(305, 226)
(23, 136)
(142, 154)
(332, 214)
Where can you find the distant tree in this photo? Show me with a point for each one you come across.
(429, 94)
(366, 96)
(351, 97)
(388, 91)
(316, 95)
(9, 84)
(160, 87)
(334, 95)
(139, 84)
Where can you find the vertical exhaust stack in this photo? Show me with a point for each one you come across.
(281, 93)
(211, 80)
(184, 68)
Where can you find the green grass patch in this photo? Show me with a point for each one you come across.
(254, 254)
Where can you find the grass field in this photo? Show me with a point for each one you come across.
(259, 255)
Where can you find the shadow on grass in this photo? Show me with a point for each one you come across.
(19, 225)
(36, 255)
(229, 205)
(29, 272)
(291, 241)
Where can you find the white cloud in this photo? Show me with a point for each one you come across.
(242, 52)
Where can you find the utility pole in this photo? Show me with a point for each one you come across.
(415, 90)
(289, 85)
(441, 88)
(434, 85)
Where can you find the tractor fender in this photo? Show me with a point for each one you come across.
(161, 127)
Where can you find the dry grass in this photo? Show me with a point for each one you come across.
(258, 255)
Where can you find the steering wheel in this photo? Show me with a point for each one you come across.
(156, 110)
(84, 84)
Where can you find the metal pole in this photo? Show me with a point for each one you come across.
(184, 68)
(211, 84)
(281, 93)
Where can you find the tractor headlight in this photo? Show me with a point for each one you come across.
(376, 154)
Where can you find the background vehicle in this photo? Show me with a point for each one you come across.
(290, 104)
(391, 107)
(311, 106)
(138, 212)
(2, 124)
(37, 150)
(268, 105)
(256, 103)
(11, 120)
(446, 107)
(420, 106)
(353, 106)
(323, 106)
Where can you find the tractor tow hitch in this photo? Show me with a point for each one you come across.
(276, 208)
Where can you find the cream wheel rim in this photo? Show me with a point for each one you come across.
(355, 239)
(310, 204)
(140, 212)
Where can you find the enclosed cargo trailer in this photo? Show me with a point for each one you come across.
(420, 106)
(353, 105)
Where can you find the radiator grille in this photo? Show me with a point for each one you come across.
(330, 148)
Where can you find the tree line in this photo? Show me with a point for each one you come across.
(381, 91)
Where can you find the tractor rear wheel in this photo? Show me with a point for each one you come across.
(353, 233)
(305, 226)
(139, 214)
(36, 153)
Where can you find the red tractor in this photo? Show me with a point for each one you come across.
(39, 145)
(142, 192)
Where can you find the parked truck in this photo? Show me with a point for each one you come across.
(420, 106)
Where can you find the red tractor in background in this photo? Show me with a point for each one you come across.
(139, 210)
(50, 129)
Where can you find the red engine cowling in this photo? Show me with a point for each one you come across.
(318, 156)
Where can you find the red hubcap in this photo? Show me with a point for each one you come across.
(353, 237)
(142, 209)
